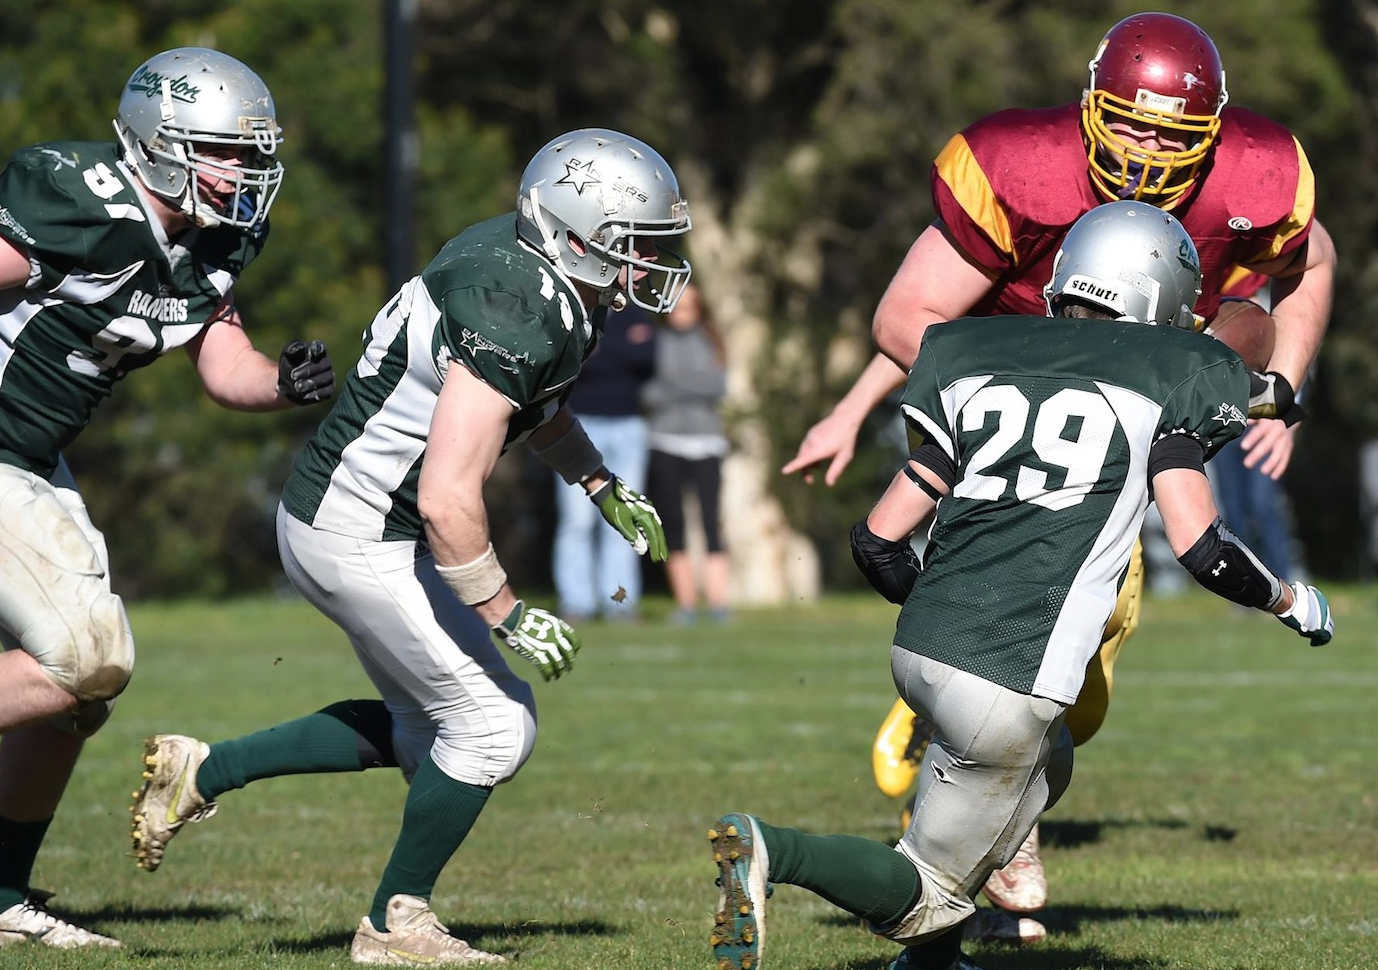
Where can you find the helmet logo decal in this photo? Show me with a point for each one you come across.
(1095, 290)
(150, 85)
(1186, 255)
(1240, 224)
(579, 174)
(1190, 80)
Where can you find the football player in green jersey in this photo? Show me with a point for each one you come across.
(1043, 442)
(111, 255)
(383, 526)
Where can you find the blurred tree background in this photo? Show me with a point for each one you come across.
(803, 134)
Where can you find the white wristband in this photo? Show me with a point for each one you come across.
(572, 455)
(475, 582)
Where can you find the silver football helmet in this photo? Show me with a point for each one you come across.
(597, 202)
(201, 130)
(1131, 259)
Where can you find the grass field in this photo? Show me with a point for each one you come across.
(1225, 818)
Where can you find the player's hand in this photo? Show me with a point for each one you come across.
(541, 638)
(1310, 615)
(831, 440)
(633, 515)
(1268, 446)
(305, 373)
(890, 566)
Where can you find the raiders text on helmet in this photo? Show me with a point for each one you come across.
(183, 113)
(597, 201)
(1132, 260)
(1160, 72)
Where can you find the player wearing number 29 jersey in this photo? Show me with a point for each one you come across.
(108, 292)
(1027, 552)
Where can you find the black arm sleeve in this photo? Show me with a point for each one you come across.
(890, 567)
(1175, 451)
(936, 460)
(1223, 564)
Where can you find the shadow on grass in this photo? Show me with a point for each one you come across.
(1043, 957)
(1071, 919)
(1070, 833)
(149, 914)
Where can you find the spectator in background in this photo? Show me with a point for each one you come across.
(687, 448)
(596, 571)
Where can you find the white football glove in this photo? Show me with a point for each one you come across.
(1310, 614)
(541, 638)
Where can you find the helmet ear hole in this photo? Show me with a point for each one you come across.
(575, 244)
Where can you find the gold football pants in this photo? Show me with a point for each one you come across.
(896, 753)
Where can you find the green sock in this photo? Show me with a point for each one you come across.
(866, 878)
(438, 816)
(319, 742)
(19, 844)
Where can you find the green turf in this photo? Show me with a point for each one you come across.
(1225, 818)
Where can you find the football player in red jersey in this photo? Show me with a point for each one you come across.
(1152, 126)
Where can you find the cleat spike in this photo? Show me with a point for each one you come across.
(712, 835)
(731, 832)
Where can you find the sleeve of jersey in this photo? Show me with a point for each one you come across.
(40, 216)
(965, 200)
(1296, 227)
(498, 338)
(922, 403)
(1211, 406)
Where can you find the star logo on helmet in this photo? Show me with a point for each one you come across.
(579, 174)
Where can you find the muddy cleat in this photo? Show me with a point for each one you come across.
(30, 922)
(989, 925)
(415, 938)
(169, 798)
(898, 749)
(1022, 886)
(739, 927)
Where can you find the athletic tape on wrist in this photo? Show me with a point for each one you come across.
(477, 581)
(572, 455)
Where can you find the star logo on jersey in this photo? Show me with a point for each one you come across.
(579, 174)
(1230, 414)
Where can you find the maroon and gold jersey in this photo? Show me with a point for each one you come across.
(1010, 186)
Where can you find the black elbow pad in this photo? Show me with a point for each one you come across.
(890, 567)
(1223, 564)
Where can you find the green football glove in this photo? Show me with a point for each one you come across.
(547, 642)
(633, 515)
(1310, 615)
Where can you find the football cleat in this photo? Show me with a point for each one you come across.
(990, 925)
(1022, 886)
(414, 938)
(963, 962)
(30, 922)
(739, 926)
(169, 798)
(898, 749)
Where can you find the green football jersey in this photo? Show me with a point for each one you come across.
(1049, 422)
(108, 292)
(491, 304)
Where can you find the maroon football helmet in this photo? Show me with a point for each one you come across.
(1153, 73)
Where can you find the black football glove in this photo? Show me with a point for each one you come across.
(891, 567)
(1271, 396)
(305, 373)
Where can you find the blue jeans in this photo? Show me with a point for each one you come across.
(592, 560)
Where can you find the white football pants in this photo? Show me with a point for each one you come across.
(997, 760)
(445, 683)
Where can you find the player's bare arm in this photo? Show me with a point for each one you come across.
(14, 266)
(1302, 294)
(234, 374)
(934, 283)
(466, 439)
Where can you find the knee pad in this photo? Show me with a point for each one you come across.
(486, 755)
(86, 720)
(55, 595)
